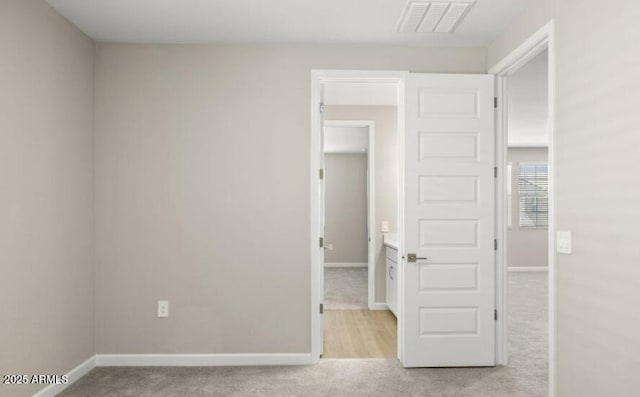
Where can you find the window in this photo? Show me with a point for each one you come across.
(534, 200)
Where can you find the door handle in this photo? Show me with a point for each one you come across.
(390, 270)
(413, 258)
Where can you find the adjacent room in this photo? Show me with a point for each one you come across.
(527, 207)
(311, 198)
(360, 219)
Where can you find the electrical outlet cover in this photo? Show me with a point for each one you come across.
(563, 242)
(163, 309)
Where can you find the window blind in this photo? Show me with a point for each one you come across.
(533, 186)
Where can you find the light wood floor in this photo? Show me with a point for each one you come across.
(360, 334)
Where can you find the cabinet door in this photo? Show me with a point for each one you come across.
(392, 286)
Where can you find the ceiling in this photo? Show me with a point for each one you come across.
(361, 22)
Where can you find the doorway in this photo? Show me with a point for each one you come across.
(527, 214)
(525, 117)
(360, 213)
(444, 260)
(445, 216)
(349, 179)
(320, 80)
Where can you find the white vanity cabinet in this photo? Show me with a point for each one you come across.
(392, 279)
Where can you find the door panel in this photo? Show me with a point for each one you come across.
(449, 145)
(449, 220)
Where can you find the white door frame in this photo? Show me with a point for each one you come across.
(319, 77)
(371, 203)
(538, 42)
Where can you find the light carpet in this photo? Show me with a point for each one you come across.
(526, 375)
(345, 288)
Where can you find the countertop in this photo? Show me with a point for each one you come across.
(391, 240)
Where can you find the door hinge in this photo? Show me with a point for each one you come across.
(495, 102)
(321, 107)
(495, 314)
(321, 173)
(495, 172)
(321, 308)
(495, 245)
(321, 242)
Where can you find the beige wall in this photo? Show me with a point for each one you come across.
(525, 247)
(385, 120)
(46, 193)
(202, 190)
(346, 208)
(598, 92)
(188, 211)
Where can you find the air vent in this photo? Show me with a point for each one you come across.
(433, 16)
(412, 16)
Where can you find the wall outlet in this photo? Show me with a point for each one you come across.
(563, 242)
(385, 226)
(163, 308)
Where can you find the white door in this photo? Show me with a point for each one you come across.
(449, 221)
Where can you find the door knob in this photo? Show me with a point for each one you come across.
(413, 258)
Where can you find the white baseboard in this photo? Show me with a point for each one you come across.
(178, 360)
(527, 268)
(346, 264)
(200, 360)
(73, 375)
(379, 306)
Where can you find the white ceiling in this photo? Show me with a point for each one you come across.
(528, 104)
(365, 22)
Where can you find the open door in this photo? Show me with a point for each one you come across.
(449, 304)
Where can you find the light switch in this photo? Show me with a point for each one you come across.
(563, 242)
(385, 226)
(163, 308)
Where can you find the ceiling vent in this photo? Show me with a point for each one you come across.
(433, 16)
